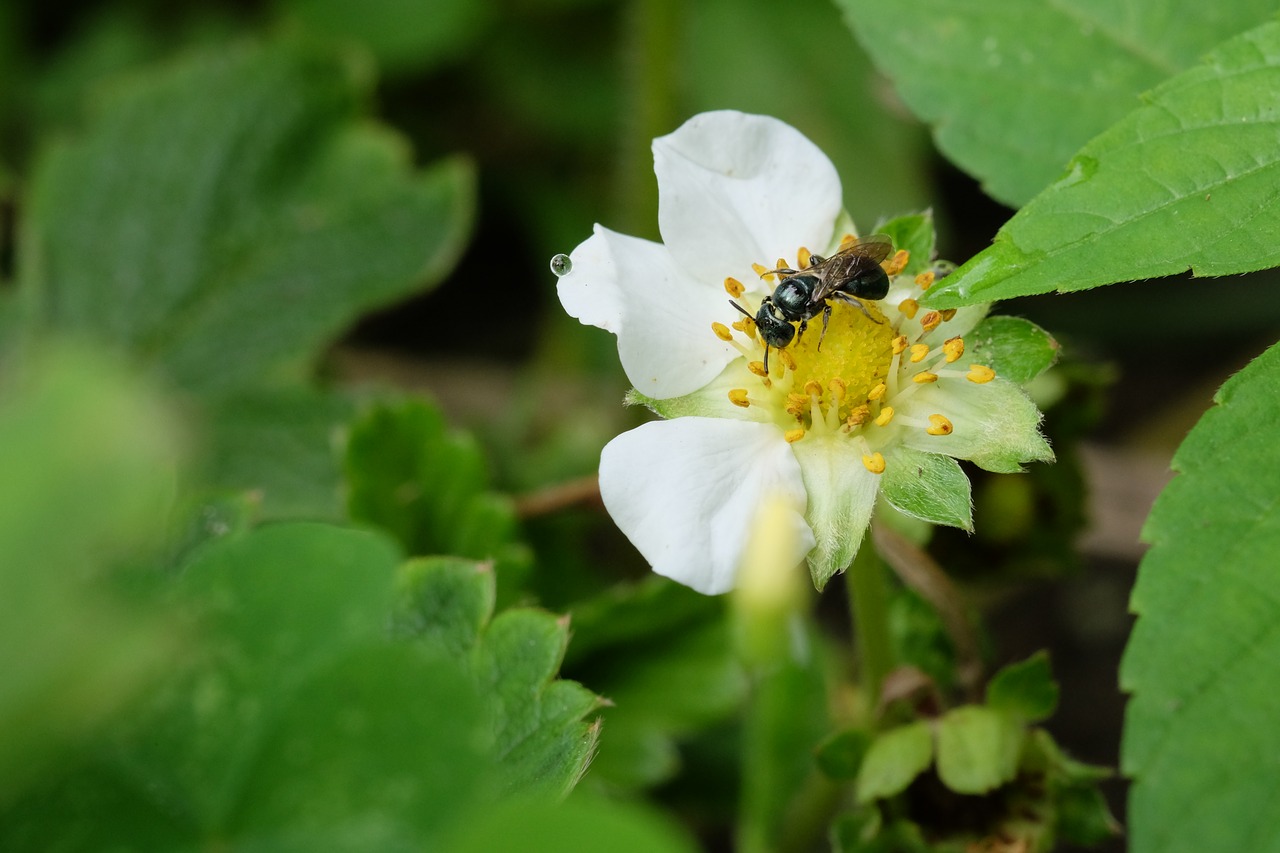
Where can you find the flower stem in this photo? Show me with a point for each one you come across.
(868, 605)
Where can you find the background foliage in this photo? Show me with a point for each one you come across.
(288, 410)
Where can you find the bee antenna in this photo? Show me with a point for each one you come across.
(744, 311)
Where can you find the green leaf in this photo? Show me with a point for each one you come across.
(928, 486)
(366, 756)
(226, 217)
(978, 748)
(1184, 182)
(539, 736)
(894, 760)
(1012, 96)
(1014, 348)
(581, 824)
(403, 35)
(1026, 689)
(915, 234)
(1204, 656)
(840, 755)
(88, 456)
(407, 473)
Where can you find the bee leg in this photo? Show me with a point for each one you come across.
(844, 297)
(804, 324)
(784, 272)
(766, 359)
(826, 318)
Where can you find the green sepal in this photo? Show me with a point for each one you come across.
(928, 486)
(913, 232)
(1014, 348)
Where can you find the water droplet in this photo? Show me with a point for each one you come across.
(561, 265)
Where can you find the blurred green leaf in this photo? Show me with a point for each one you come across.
(978, 748)
(840, 755)
(1025, 689)
(1014, 348)
(1184, 182)
(894, 760)
(540, 737)
(582, 824)
(1011, 96)
(1203, 659)
(403, 35)
(409, 474)
(227, 216)
(89, 457)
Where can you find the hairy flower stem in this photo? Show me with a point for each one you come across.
(868, 605)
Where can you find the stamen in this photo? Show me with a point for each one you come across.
(757, 367)
(925, 279)
(897, 263)
(909, 307)
(787, 358)
(838, 388)
(954, 348)
(813, 388)
(734, 287)
(802, 257)
(980, 373)
(722, 331)
(738, 396)
(762, 271)
(859, 416)
(899, 344)
(918, 352)
(782, 264)
(848, 240)
(939, 425)
(793, 435)
(931, 321)
(886, 415)
(923, 377)
(948, 314)
(877, 392)
(874, 462)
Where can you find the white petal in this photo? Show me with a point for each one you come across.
(685, 492)
(734, 189)
(842, 494)
(662, 318)
(996, 425)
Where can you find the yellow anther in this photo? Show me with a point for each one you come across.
(899, 344)
(838, 386)
(939, 425)
(787, 358)
(782, 264)
(897, 263)
(923, 377)
(859, 416)
(757, 367)
(925, 279)
(877, 392)
(722, 331)
(909, 307)
(954, 348)
(748, 327)
(738, 396)
(847, 240)
(798, 399)
(918, 352)
(874, 462)
(886, 415)
(948, 314)
(793, 435)
(761, 270)
(802, 257)
(980, 374)
(733, 287)
(813, 388)
(931, 321)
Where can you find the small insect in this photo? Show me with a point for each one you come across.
(851, 275)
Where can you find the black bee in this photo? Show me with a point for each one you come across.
(851, 275)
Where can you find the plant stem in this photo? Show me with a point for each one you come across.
(868, 605)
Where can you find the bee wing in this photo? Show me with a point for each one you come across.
(837, 269)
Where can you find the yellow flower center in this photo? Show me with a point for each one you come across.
(850, 361)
